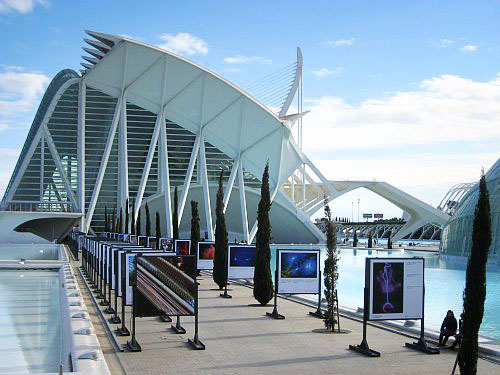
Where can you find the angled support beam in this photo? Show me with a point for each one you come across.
(104, 163)
(164, 174)
(316, 171)
(238, 98)
(189, 175)
(202, 162)
(122, 195)
(230, 183)
(261, 139)
(303, 185)
(59, 166)
(126, 88)
(42, 166)
(147, 165)
(82, 88)
(24, 165)
(253, 232)
(243, 203)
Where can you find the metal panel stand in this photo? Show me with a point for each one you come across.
(363, 348)
(275, 314)
(318, 313)
(165, 318)
(421, 344)
(177, 328)
(133, 345)
(195, 343)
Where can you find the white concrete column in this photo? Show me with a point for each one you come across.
(202, 163)
(165, 175)
(82, 88)
(243, 203)
(122, 195)
(230, 183)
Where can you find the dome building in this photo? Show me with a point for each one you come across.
(457, 234)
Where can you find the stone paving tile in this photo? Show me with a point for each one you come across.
(241, 340)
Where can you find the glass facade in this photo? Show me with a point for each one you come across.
(457, 234)
(41, 186)
(140, 126)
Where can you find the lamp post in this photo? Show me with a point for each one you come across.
(358, 210)
(352, 211)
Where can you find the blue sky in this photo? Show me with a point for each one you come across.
(407, 92)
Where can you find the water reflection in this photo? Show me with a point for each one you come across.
(444, 280)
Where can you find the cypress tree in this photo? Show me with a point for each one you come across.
(127, 218)
(195, 227)
(138, 224)
(106, 224)
(475, 282)
(175, 217)
(355, 239)
(263, 283)
(370, 240)
(158, 228)
(148, 222)
(113, 224)
(219, 272)
(331, 269)
(132, 224)
(389, 241)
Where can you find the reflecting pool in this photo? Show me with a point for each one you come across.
(30, 321)
(444, 283)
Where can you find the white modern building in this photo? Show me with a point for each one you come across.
(139, 122)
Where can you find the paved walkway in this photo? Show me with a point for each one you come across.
(241, 340)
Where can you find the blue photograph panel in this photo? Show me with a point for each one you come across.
(298, 271)
(241, 263)
(299, 265)
(242, 256)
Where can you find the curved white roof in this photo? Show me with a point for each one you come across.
(196, 99)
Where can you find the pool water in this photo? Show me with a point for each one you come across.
(444, 283)
(35, 252)
(30, 321)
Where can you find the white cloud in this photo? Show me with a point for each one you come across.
(325, 72)
(239, 59)
(20, 91)
(469, 48)
(445, 43)
(232, 69)
(184, 43)
(9, 152)
(448, 107)
(422, 141)
(21, 6)
(341, 42)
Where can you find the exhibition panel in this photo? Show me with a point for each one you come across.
(298, 271)
(168, 282)
(241, 263)
(396, 288)
(182, 247)
(205, 255)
